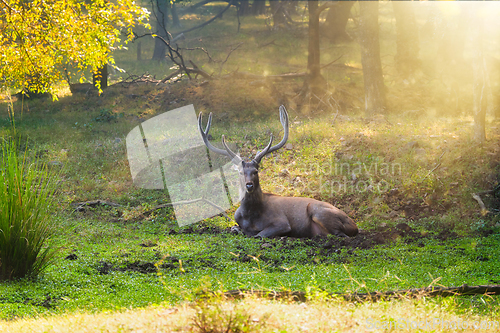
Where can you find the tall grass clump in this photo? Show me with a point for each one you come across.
(26, 197)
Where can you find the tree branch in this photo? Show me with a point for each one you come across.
(209, 21)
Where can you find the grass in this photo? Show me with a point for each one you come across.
(259, 315)
(26, 199)
(119, 270)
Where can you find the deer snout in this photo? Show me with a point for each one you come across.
(249, 187)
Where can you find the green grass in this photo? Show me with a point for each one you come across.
(26, 202)
(197, 262)
(86, 134)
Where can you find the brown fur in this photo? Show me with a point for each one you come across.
(267, 215)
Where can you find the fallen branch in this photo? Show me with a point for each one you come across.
(170, 76)
(135, 79)
(192, 8)
(331, 62)
(251, 76)
(476, 197)
(438, 164)
(209, 21)
(301, 296)
(197, 70)
(266, 44)
(80, 205)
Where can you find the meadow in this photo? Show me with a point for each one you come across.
(406, 177)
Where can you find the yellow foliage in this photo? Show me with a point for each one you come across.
(39, 39)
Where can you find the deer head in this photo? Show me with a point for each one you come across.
(248, 170)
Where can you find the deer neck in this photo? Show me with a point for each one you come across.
(254, 199)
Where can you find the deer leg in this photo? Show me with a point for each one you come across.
(276, 229)
(329, 218)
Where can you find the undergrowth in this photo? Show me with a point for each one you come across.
(414, 167)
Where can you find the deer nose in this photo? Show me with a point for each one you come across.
(249, 187)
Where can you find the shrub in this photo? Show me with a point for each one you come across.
(26, 197)
(212, 317)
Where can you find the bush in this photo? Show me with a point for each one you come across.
(26, 197)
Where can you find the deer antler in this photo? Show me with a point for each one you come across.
(228, 152)
(204, 134)
(269, 149)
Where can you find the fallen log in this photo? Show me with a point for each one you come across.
(80, 206)
(301, 296)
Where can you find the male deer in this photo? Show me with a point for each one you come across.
(268, 215)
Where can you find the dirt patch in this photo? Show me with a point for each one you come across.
(199, 231)
(319, 249)
(366, 239)
(144, 267)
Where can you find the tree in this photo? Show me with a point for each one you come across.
(278, 13)
(314, 83)
(160, 13)
(244, 8)
(314, 78)
(408, 46)
(479, 97)
(258, 7)
(336, 21)
(370, 58)
(39, 40)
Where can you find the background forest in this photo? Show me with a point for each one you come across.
(394, 118)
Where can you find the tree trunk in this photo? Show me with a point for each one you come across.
(314, 78)
(277, 11)
(408, 48)
(161, 14)
(370, 58)
(175, 16)
(100, 78)
(258, 7)
(478, 77)
(244, 8)
(139, 51)
(336, 21)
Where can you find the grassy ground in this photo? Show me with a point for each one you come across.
(417, 168)
(253, 315)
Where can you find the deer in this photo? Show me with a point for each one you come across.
(266, 215)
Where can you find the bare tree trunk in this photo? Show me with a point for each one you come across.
(139, 51)
(175, 16)
(336, 21)
(161, 13)
(478, 77)
(370, 58)
(313, 58)
(408, 46)
(244, 8)
(258, 7)
(277, 11)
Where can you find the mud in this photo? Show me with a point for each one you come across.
(366, 239)
(322, 249)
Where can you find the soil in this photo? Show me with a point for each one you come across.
(366, 239)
